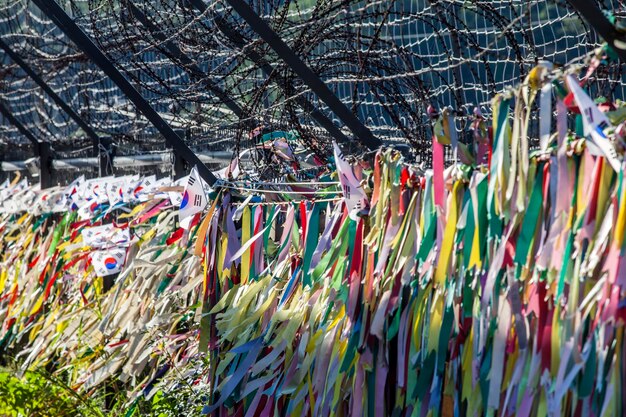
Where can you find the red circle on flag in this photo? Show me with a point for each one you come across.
(185, 200)
(110, 263)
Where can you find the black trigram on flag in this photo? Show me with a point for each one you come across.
(192, 180)
(346, 191)
(197, 201)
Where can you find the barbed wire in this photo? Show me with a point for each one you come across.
(386, 60)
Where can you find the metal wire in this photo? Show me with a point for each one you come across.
(386, 60)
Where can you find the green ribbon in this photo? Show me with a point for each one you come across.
(529, 224)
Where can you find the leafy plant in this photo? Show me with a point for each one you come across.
(39, 395)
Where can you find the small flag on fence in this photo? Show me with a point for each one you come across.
(109, 261)
(105, 235)
(194, 199)
(594, 122)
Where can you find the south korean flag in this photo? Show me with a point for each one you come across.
(594, 124)
(194, 199)
(353, 193)
(108, 261)
(105, 235)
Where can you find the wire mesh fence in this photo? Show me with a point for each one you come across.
(386, 60)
